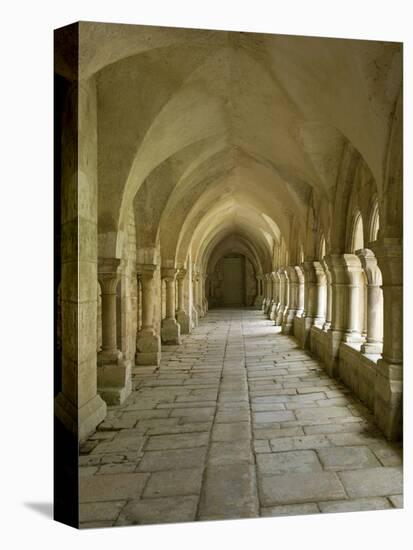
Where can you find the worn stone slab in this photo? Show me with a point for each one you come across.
(100, 511)
(230, 452)
(121, 443)
(233, 431)
(372, 482)
(288, 462)
(299, 443)
(229, 492)
(167, 483)
(300, 487)
(111, 487)
(153, 461)
(290, 510)
(272, 416)
(232, 415)
(320, 413)
(177, 441)
(358, 505)
(347, 458)
(159, 510)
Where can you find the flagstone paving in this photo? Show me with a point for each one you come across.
(237, 422)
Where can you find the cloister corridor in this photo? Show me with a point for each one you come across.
(228, 274)
(236, 422)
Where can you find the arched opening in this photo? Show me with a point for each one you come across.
(357, 240)
(232, 282)
(374, 222)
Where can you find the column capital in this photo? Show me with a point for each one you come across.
(369, 264)
(145, 271)
(169, 273)
(344, 268)
(108, 274)
(181, 274)
(389, 254)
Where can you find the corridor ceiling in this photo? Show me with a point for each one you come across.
(221, 137)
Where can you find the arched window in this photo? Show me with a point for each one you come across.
(357, 241)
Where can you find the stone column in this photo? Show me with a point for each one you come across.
(148, 345)
(181, 315)
(195, 313)
(203, 292)
(388, 403)
(114, 376)
(327, 323)
(171, 330)
(300, 291)
(258, 302)
(287, 327)
(374, 339)
(346, 277)
(283, 300)
(78, 406)
(275, 292)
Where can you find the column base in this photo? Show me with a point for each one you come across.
(279, 315)
(194, 317)
(81, 421)
(288, 323)
(372, 348)
(353, 338)
(388, 399)
(109, 357)
(115, 382)
(148, 349)
(272, 311)
(170, 332)
(183, 321)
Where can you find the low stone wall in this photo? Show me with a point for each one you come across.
(355, 370)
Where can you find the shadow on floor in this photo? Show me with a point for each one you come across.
(43, 508)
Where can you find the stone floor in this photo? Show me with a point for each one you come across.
(237, 422)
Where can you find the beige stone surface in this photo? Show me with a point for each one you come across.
(171, 465)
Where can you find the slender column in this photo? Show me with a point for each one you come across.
(181, 315)
(283, 301)
(203, 291)
(171, 330)
(389, 374)
(148, 346)
(275, 292)
(195, 312)
(268, 293)
(258, 302)
(327, 323)
(287, 327)
(374, 340)
(108, 277)
(114, 375)
(320, 295)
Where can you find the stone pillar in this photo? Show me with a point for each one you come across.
(346, 277)
(329, 303)
(171, 330)
(181, 315)
(275, 293)
(374, 339)
(258, 302)
(300, 291)
(283, 299)
(148, 345)
(268, 293)
(388, 403)
(114, 376)
(203, 292)
(78, 406)
(287, 327)
(195, 313)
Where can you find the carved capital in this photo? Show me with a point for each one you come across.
(145, 271)
(108, 274)
(169, 273)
